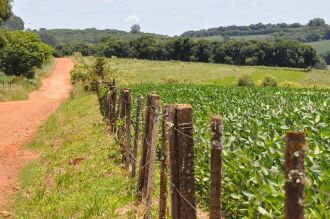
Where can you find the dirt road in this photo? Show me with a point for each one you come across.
(19, 121)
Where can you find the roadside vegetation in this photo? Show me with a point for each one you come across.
(24, 61)
(79, 174)
(19, 87)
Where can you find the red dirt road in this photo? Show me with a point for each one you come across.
(20, 120)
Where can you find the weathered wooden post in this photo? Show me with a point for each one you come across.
(113, 100)
(166, 126)
(186, 157)
(125, 132)
(294, 175)
(145, 183)
(216, 165)
(116, 128)
(174, 165)
(136, 134)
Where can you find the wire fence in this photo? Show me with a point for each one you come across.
(180, 129)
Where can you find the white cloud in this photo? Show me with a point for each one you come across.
(133, 18)
(180, 18)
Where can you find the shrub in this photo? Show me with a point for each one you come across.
(290, 84)
(269, 81)
(170, 80)
(251, 61)
(80, 73)
(245, 81)
(23, 53)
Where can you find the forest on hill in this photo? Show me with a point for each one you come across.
(315, 30)
(137, 44)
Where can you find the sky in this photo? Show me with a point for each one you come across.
(169, 17)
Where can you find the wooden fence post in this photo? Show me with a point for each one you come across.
(294, 175)
(185, 143)
(116, 129)
(174, 166)
(216, 165)
(145, 184)
(136, 134)
(169, 109)
(113, 100)
(108, 105)
(151, 156)
(125, 132)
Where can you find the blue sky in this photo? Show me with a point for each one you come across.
(171, 17)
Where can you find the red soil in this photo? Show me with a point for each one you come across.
(20, 120)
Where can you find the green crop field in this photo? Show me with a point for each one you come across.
(321, 46)
(256, 120)
(129, 71)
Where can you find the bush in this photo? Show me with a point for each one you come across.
(22, 53)
(245, 81)
(99, 67)
(80, 73)
(290, 84)
(269, 81)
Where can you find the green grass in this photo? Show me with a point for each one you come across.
(52, 188)
(321, 46)
(18, 88)
(130, 71)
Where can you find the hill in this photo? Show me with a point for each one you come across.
(56, 37)
(321, 46)
(313, 31)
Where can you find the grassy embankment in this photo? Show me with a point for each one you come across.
(53, 187)
(18, 88)
(130, 71)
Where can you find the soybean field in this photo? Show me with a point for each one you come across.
(255, 122)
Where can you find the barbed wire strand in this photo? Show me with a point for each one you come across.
(191, 126)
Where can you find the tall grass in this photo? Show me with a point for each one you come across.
(18, 88)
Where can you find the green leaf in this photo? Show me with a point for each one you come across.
(317, 119)
(263, 211)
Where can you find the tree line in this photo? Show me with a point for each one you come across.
(282, 53)
(315, 30)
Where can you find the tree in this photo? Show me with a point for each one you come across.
(5, 10)
(316, 22)
(14, 23)
(327, 35)
(48, 38)
(22, 53)
(326, 57)
(203, 51)
(313, 37)
(136, 28)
